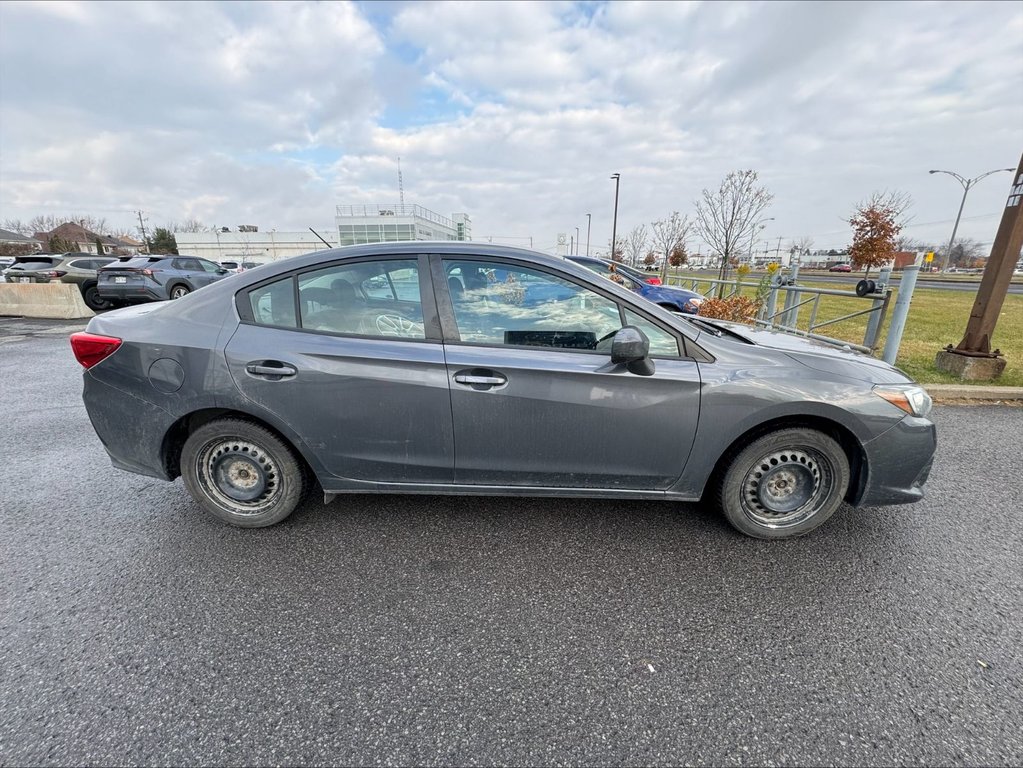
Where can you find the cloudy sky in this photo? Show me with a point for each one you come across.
(516, 113)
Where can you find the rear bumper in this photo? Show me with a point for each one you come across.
(898, 463)
(130, 292)
(131, 429)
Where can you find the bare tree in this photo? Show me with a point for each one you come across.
(190, 225)
(801, 247)
(876, 223)
(635, 243)
(669, 234)
(47, 223)
(966, 253)
(728, 218)
(618, 251)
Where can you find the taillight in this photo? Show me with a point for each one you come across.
(90, 349)
(654, 280)
(147, 272)
(53, 274)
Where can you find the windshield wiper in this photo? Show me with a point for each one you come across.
(704, 324)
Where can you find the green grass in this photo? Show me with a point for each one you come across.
(936, 318)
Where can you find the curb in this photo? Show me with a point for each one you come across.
(943, 392)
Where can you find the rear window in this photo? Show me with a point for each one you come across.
(135, 261)
(36, 263)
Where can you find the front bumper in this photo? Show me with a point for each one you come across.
(898, 463)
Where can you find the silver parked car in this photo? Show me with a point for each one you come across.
(466, 368)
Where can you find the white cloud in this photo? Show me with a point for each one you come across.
(517, 113)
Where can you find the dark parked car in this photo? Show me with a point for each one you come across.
(362, 369)
(156, 278)
(77, 268)
(673, 299)
(840, 268)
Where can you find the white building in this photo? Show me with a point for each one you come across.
(253, 246)
(357, 224)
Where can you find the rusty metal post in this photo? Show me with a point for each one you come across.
(973, 358)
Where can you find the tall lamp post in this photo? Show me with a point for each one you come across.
(589, 218)
(577, 241)
(614, 222)
(967, 183)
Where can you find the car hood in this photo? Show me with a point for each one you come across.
(843, 361)
(683, 294)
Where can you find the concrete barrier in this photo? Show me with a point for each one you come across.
(62, 301)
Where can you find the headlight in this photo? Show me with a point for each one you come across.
(910, 398)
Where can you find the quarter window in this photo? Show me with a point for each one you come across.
(274, 304)
(662, 343)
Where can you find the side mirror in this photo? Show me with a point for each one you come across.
(631, 347)
(221, 271)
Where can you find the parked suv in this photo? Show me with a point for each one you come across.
(76, 268)
(156, 278)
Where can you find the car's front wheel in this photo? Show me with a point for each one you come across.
(242, 473)
(784, 484)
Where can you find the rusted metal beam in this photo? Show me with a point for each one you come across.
(994, 285)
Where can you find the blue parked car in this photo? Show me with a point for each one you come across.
(672, 299)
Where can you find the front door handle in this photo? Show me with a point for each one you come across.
(480, 379)
(492, 381)
(271, 368)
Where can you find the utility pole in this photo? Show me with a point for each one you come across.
(589, 218)
(142, 226)
(614, 224)
(973, 359)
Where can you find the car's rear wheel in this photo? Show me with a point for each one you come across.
(179, 290)
(784, 484)
(242, 473)
(92, 299)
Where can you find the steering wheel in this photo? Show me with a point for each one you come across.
(397, 325)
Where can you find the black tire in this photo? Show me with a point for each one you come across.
(784, 484)
(242, 474)
(178, 290)
(92, 299)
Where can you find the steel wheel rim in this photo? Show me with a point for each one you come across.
(786, 487)
(238, 475)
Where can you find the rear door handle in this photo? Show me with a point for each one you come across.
(480, 379)
(271, 368)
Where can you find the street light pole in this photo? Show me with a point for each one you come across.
(614, 223)
(589, 218)
(967, 184)
(577, 241)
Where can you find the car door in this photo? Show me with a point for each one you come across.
(209, 272)
(349, 356)
(535, 399)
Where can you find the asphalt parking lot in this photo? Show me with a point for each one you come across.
(403, 630)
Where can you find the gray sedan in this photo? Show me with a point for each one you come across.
(463, 368)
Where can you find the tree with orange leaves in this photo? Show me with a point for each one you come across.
(876, 224)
